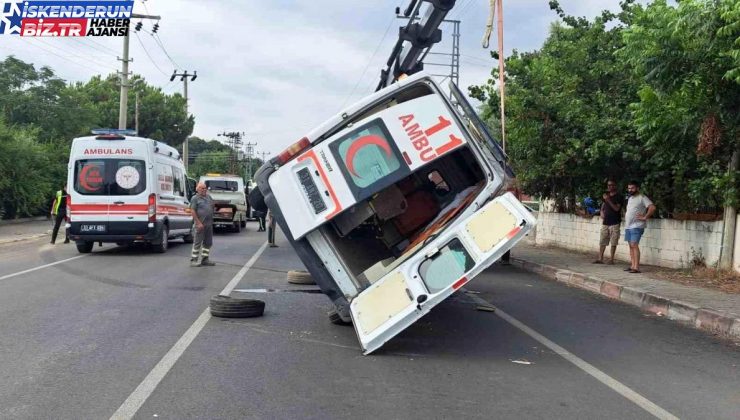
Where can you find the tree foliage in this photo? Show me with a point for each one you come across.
(650, 93)
(40, 114)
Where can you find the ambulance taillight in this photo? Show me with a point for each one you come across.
(152, 209)
(292, 151)
(69, 207)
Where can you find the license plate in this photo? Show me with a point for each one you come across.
(92, 228)
(311, 191)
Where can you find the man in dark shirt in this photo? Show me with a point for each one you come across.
(611, 214)
(201, 206)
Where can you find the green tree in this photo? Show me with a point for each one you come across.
(567, 109)
(25, 185)
(161, 117)
(688, 115)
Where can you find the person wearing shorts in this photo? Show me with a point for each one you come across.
(611, 216)
(639, 209)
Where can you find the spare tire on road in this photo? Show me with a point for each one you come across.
(300, 277)
(229, 307)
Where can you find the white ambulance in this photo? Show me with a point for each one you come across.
(126, 189)
(394, 204)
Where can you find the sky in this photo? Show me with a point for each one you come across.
(275, 69)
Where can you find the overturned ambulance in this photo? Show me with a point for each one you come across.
(396, 202)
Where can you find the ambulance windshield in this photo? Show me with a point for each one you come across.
(110, 177)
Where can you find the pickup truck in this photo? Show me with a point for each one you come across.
(229, 200)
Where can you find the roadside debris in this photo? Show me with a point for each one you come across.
(522, 362)
(485, 308)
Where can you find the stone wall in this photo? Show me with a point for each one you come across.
(666, 243)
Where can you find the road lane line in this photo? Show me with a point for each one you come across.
(7, 276)
(602, 377)
(133, 403)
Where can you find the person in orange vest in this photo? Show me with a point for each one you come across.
(59, 214)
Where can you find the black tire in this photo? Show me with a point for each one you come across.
(85, 247)
(257, 200)
(237, 227)
(229, 307)
(244, 222)
(300, 277)
(163, 244)
(335, 319)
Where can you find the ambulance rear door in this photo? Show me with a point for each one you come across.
(362, 160)
(438, 269)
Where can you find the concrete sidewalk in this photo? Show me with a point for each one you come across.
(711, 310)
(24, 231)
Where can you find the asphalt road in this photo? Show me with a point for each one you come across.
(123, 329)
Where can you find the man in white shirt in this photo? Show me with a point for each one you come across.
(639, 209)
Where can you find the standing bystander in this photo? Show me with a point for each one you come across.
(639, 209)
(271, 229)
(59, 214)
(611, 215)
(201, 206)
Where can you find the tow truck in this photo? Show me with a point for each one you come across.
(398, 201)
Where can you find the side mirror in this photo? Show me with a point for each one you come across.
(190, 182)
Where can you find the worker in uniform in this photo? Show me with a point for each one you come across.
(271, 229)
(201, 206)
(59, 214)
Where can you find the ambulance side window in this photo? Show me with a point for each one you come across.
(179, 184)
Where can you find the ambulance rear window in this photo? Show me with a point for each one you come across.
(369, 159)
(110, 177)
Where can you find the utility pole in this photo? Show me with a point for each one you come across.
(249, 150)
(136, 114)
(729, 221)
(184, 78)
(234, 142)
(123, 105)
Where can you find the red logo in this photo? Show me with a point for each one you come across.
(90, 178)
(359, 144)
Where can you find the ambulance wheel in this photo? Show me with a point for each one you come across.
(335, 319)
(228, 307)
(244, 222)
(237, 227)
(300, 277)
(161, 247)
(85, 247)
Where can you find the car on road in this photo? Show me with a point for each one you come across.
(394, 204)
(126, 189)
(229, 200)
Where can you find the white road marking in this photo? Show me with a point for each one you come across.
(7, 276)
(602, 377)
(128, 409)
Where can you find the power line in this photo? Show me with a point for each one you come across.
(377, 48)
(149, 56)
(87, 67)
(158, 40)
(94, 47)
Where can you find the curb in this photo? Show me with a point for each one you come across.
(24, 238)
(26, 220)
(703, 318)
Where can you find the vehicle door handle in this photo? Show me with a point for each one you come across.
(119, 203)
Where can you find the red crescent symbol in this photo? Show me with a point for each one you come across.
(359, 144)
(83, 178)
